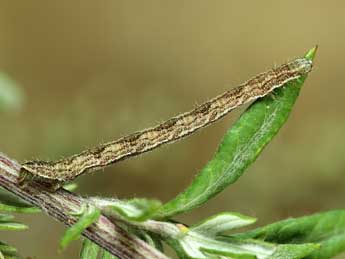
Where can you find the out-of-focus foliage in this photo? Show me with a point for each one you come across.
(11, 95)
(9, 205)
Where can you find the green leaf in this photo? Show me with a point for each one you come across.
(6, 217)
(11, 96)
(12, 226)
(259, 249)
(222, 222)
(89, 250)
(153, 240)
(240, 147)
(290, 251)
(132, 210)
(70, 187)
(7, 250)
(18, 209)
(262, 251)
(201, 246)
(242, 249)
(90, 215)
(10, 199)
(294, 251)
(327, 229)
(107, 255)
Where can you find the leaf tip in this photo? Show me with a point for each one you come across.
(311, 53)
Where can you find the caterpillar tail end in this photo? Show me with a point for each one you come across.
(26, 178)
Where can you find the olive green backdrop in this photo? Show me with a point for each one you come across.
(92, 71)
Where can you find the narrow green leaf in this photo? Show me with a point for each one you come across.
(154, 240)
(81, 211)
(240, 147)
(90, 215)
(12, 226)
(107, 255)
(195, 245)
(294, 251)
(89, 250)
(222, 222)
(18, 209)
(265, 250)
(6, 217)
(70, 187)
(7, 250)
(326, 228)
(132, 210)
(10, 199)
(242, 249)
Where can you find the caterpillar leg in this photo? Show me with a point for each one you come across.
(25, 178)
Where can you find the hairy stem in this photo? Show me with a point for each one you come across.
(59, 206)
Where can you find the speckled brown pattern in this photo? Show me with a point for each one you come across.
(54, 174)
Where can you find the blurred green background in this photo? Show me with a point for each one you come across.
(92, 71)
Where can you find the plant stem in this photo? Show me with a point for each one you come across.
(61, 203)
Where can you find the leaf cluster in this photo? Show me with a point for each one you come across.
(9, 205)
